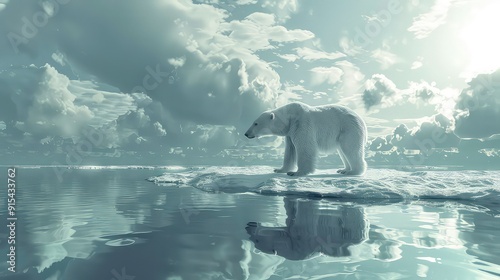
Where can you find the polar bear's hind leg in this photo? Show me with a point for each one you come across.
(352, 147)
(347, 166)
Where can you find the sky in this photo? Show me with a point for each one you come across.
(179, 82)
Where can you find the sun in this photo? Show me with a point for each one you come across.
(481, 35)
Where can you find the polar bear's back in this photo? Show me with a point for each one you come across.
(330, 121)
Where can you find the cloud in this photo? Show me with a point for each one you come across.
(472, 113)
(37, 101)
(59, 58)
(246, 2)
(288, 57)
(44, 106)
(352, 82)
(349, 47)
(417, 63)
(281, 8)
(106, 106)
(477, 111)
(424, 24)
(385, 58)
(179, 75)
(435, 133)
(309, 54)
(379, 90)
(191, 59)
(329, 75)
(422, 91)
(381, 144)
(177, 61)
(258, 30)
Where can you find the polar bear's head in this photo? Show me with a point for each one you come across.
(269, 123)
(263, 125)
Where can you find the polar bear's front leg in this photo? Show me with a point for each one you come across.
(290, 160)
(307, 155)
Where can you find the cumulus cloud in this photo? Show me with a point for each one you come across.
(429, 135)
(477, 111)
(381, 144)
(37, 101)
(435, 133)
(44, 106)
(472, 113)
(422, 91)
(191, 60)
(379, 89)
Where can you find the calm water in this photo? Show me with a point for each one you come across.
(113, 224)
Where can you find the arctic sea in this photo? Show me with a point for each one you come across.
(148, 223)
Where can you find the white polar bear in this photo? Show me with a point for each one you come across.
(312, 130)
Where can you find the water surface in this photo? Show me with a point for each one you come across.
(114, 224)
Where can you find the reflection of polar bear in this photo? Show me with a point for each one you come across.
(311, 228)
(310, 130)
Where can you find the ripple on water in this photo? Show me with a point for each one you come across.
(121, 242)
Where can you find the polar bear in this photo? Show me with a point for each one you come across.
(310, 130)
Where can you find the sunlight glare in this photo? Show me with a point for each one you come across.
(482, 39)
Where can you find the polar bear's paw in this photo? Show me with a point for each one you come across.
(350, 172)
(280, 170)
(297, 174)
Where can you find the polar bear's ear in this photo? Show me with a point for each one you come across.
(272, 116)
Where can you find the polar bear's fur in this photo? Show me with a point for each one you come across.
(309, 131)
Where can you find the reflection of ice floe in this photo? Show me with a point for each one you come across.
(481, 187)
(311, 228)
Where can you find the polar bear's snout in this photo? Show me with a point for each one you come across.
(248, 135)
(251, 132)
